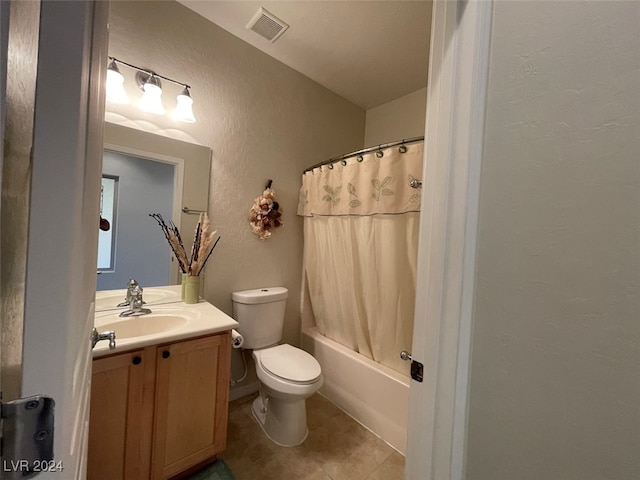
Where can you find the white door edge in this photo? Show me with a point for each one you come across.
(63, 221)
(458, 70)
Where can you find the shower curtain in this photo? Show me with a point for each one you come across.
(360, 250)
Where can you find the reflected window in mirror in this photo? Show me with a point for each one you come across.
(108, 208)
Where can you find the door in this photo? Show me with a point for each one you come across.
(56, 313)
(120, 431)
(446, 251)
(192, 394)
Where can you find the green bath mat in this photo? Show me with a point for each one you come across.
(218, 470)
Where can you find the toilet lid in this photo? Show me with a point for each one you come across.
(290, 363)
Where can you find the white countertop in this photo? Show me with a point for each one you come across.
(201, 318)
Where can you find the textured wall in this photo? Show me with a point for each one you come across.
(260, 118)
(404, 117)
(554, 376)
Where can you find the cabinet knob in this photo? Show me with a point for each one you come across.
(166, 354)
(137, 360)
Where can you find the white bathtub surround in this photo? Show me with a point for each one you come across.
(360, 253)
(375, 396)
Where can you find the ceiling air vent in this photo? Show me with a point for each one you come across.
(267, 25)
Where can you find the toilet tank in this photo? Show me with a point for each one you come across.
(260, 313)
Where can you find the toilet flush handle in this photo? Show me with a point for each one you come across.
(404, 355)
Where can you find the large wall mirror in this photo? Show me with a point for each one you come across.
(144, 173)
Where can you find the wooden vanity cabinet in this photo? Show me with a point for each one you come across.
(161, 415)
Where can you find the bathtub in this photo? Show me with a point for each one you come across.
(373, 394)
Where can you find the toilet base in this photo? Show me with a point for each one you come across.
(283, 421)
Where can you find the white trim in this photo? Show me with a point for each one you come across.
(142, 153)
(178, 183)
(446, 261)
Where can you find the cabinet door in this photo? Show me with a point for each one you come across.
(192, 394)
(119, 428)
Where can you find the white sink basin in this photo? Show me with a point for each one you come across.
(142, 326)
(110, 300)
(170, 320)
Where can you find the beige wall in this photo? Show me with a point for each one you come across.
(556, 350)
(401, 118)
(260, 118)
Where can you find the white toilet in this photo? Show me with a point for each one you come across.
(287, 375)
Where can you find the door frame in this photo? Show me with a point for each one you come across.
(458, 72)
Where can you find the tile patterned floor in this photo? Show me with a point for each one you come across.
(337, 448)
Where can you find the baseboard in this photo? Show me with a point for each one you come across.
(242, 390)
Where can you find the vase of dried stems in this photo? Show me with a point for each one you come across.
(192, 289)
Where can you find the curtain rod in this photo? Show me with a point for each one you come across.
(365, 150)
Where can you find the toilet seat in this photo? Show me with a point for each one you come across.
(290, 364)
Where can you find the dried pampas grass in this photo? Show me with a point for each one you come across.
(203, 244)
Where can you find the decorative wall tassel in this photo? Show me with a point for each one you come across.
(265, 213)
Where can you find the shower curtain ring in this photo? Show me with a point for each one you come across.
(330, 166)
(379, 154)
(344, 163)
(359, 158)
(403, 147)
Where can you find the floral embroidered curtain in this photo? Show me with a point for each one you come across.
(367, 187)
(360, 256)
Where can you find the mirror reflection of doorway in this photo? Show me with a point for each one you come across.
(139, 249)
(106, 234)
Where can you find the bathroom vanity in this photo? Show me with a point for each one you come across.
(159, 399)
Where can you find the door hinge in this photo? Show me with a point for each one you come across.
(26, 438)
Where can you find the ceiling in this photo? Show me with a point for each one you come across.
(369, 52)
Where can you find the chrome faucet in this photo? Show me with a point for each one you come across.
(135, 304)
(108, 335)
(131, 285)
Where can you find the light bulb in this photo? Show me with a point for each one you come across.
(184, 108)
(151, 100)
(115, 85)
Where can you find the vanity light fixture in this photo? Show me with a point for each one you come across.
(115, 85)
(151, 86)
